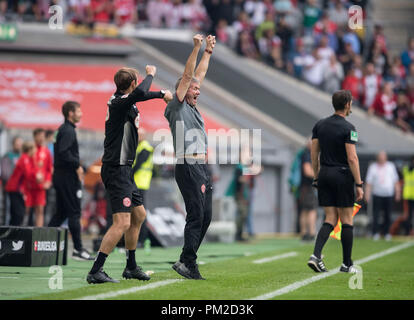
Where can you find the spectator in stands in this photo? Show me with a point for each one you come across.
(326, 27)
(410, 77)
(222, 32)
(351, 37)
(378, 58)
(238, 8)
(382, 182)
(195, 13)
(333, 74)
(268, 23)
(311, 15)
(338, 14)
(102, 10)
(23, 178)
(353, 84)
(226, 11)
(270, 48)
(347, 57)
(242, 23)
(407, 56)
(325, 52)
(245, 45)
(7, 165)
(379, 40)
(174, 14)
(371, 84)
(396, 75)
(156, 11)
(285, 33)
(125, 12)
(313, 72)
(79, 11)
(402, 112)
(283, 6)
(358, 66)
(299, 59)
(384, 103)
(256, 10)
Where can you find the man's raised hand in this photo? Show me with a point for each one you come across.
(168, 96)
(150, 70)
(198, 40)
(211, 42)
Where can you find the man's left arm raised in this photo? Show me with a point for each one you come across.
(202, 67)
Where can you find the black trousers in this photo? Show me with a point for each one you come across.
(194, 182)
(68, 203)
(408, 223)
(381, 204)
(17, 208)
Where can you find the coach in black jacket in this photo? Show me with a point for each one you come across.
(67, 178)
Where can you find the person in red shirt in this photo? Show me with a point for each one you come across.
(36, 195)
(22, 178)
(125, 12)
(385, 102)
(353, 84)
(102, 10)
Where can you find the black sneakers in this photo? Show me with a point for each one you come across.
(137, 273)
(186, 272)
(316, 264)
(349, 269)
(82, 255)
(99, 277)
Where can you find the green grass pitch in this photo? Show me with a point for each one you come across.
(231, 274)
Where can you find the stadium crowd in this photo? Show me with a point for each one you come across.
(308, 39)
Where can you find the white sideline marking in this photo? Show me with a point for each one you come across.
(299, 284)
(274, 258)
(112, 294)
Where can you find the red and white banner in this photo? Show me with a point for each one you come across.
(32, 94)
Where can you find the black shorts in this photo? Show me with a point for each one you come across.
(336, 187)
(121, 189)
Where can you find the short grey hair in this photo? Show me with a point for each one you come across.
(180, 78)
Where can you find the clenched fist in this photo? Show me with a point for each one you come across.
(211, 42)
(150, 70)
(198, 40)
(168, 96)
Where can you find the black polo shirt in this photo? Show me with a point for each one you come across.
(333, 133)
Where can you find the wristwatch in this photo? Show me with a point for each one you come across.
(359, 185)
(162, 93)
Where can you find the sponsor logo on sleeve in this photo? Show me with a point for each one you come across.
(354, 136)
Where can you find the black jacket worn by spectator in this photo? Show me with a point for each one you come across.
(122, 123)
(66, 149)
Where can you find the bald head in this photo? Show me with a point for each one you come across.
(382, 157)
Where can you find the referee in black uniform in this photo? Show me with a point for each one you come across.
(121, 140)
(67, 178)
(337, 176)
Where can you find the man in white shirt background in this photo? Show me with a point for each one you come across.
(382, 182)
